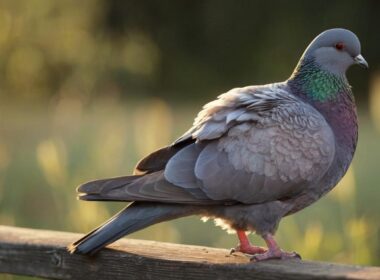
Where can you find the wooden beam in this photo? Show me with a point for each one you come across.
(42, 253)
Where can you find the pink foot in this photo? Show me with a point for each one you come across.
(274, 255)
(248, 249)
(274, 252)
(245, 246)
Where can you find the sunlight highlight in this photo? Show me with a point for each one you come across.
(375, 100)
(313, 240)
(153, 123)
(51, 157)
(358, 230)
(5, 157)
(84, 216)
(345, 190)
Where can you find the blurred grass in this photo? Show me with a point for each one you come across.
(46, 151)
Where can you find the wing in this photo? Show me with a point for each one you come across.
(157, 160)
(253, 145)
(149, 187)
(212, 122)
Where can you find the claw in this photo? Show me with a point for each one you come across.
(275, 255)
(274, 251)
(296, 255)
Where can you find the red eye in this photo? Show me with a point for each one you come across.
(339, 46)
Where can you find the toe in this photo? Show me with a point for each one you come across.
(293, 255)
(296, 255)
(261, 257)
(274, 255)
(250, 250)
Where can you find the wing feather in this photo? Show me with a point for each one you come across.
(251, 145)
(270, 145)
(149, 187)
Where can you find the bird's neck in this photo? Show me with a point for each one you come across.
(317, 84)
(331, 95)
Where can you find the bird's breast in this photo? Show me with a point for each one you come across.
(283, 155)
(342, 118)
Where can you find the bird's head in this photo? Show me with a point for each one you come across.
(335, 50)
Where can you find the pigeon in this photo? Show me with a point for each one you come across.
(253, 156)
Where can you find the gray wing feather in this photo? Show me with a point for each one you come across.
(180, 168)
(251, 145)
(150, 187)
(259, 144)
(222, 181)
(157, 160)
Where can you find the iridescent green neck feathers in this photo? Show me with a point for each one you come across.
(318, 84)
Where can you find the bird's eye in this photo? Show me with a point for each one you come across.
(339, 46)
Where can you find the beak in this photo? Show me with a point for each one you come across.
(359, 59)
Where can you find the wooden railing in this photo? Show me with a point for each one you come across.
(42, 253)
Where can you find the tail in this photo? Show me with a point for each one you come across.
(136, 216)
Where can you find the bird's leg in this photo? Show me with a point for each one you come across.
(274, 251)
(245, 246)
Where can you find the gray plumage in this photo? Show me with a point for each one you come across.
(252, 156)
(133, 218)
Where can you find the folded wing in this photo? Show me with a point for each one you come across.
(251, 145)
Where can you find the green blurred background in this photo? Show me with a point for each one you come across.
(89, 87)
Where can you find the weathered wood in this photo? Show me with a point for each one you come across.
(42, 253)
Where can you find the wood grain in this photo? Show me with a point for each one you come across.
(42, 253)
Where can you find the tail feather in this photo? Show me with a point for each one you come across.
(105, 185)
(132, 218)
(149, 187)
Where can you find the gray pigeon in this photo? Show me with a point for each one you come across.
(252, 156)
